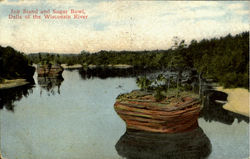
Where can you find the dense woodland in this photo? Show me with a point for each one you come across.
(225, 59)
(14, 64)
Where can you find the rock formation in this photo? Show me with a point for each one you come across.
(141, 111)
(49, 70)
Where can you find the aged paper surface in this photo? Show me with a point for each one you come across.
(73, 117)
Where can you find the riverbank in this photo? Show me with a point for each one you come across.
(65, 66)
(238, 100)
(71, 66)
(13, 83)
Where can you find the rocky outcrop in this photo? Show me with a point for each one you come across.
(148, 145)
(49, 70)
(141, 111)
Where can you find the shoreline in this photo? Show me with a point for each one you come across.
(65, 66)
(237, 100)
(75, 66)
(13, 83)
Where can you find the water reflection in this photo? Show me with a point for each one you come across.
(106, 72)
(49, 128)
(9, 96)
(50, 84)
(214, 111)
(147, 145)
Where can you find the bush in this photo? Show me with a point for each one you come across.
(2, 80)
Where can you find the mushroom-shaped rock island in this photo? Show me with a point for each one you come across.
(49, 70)
(141, 111)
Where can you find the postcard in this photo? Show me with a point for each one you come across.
(124, 79)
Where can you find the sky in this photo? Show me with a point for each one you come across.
(119, 25)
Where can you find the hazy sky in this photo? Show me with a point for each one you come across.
(119, 25)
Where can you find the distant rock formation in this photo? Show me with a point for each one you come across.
(141, 111)
(148, 145)
(49, 70)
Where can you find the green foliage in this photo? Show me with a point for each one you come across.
(159, 96)
(14, 64)
(2, 80)
(143, 83)
(231, 80)
(161, 86)
(225, 59)
(216, 58)
(139, 59)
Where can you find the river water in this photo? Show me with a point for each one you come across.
(74, 118)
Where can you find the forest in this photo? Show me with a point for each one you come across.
(224, 59)
(14, 64)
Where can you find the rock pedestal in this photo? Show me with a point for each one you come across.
(141, 111)
(49, 70)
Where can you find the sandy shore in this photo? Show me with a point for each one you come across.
(13, 83)
(120, 66)
(238, 100)
(94, 66)
(72, 66)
